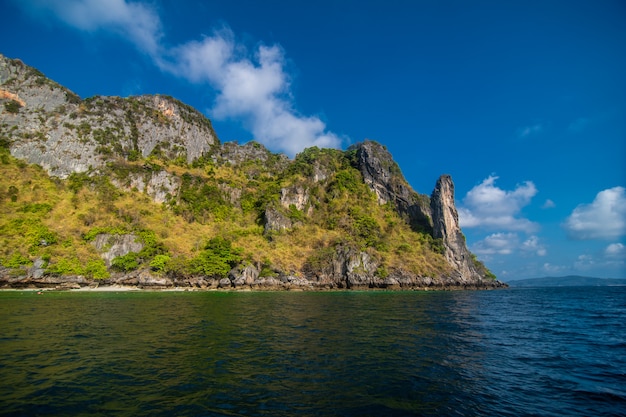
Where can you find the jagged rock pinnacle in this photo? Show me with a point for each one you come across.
(446, 227)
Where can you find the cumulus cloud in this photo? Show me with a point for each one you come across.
(133, 20)
(507, 244)
(615, 251)
(251, 87)
(497, 243)
(491, 207)
(533, 245)
(604, 218)
(255, 90)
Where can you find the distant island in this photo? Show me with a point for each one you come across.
(567, 281)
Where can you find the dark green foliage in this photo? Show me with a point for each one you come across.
(151, 246)
(365, 230)
(349, 180)
(72, 98)
(77, 180)
(199, 199)
(218, 258)
(5, 143)
(13, 192)
(437, 245)
(37, 208)
(83, 130)
(12, 106)
(126, 263)
(295, 214)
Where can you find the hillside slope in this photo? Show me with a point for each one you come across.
(140, 191)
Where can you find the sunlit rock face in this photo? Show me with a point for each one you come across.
(446, 227)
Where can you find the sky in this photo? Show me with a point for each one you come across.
(523, 103)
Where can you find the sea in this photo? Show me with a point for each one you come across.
(511, 352)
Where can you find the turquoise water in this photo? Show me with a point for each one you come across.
(544, 352)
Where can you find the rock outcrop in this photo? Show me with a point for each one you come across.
(384, 177)
(446, 227)
(113, 246)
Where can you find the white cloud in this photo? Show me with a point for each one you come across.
(507, 244)
(497, 243)
(488, 206)
(526, 131)
(604, 218)
(553, 269)
(533, 245)
(548, 204)
(615, 250)
(253, 88)
(584, 262)
(135, 21)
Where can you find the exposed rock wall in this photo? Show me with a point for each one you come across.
(54, 128)
(112, 246)
(384, 177)
(446, 227)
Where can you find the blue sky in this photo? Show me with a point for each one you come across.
(522, 102)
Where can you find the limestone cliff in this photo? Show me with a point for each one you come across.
(52, 127)
(384, 177)
(446, 227)
(153, 167)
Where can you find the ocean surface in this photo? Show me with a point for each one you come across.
(514, 352)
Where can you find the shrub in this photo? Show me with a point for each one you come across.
(126, 263)
(66, 266)
(12, 106)
(97, 269)
(159, 263)
(16, 260)
(218, 258)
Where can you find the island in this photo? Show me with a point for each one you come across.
(140, 192)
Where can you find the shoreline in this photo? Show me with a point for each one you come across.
(145, 281)
(127, 288)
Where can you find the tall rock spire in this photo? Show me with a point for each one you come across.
(446, 227)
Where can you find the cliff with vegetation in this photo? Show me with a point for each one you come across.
(139, 191)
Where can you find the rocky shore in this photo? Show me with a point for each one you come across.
(246, 279)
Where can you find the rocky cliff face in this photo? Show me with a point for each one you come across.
(384, 177)
(165, 149)
(50, 126)
(446, 227)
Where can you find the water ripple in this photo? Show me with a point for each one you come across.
(509, 353)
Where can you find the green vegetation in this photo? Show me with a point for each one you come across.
(12, 106)
(216, 208)
(58, 220)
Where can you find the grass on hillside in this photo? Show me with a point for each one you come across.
(47, 219)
